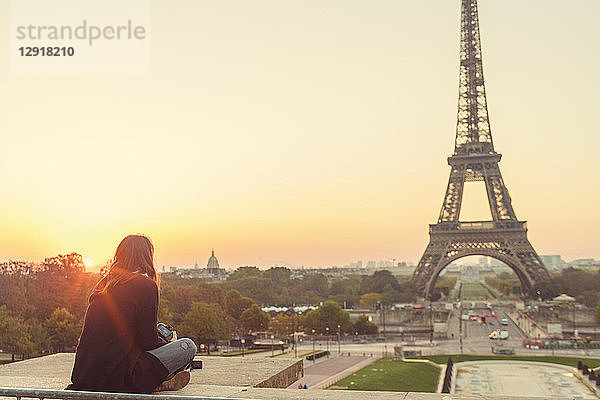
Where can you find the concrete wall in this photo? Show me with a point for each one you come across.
(528, 325)
(285, 378)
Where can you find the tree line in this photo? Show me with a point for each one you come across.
(43, 305)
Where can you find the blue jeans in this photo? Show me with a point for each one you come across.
(177, 355)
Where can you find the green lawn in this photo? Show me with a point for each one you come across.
(570, 361)
(396, 376)
(474, 290)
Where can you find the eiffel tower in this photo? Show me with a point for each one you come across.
(474, 159)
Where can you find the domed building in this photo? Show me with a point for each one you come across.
(213, 264)
(212, 273)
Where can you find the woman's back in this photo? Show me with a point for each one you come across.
(120, 325)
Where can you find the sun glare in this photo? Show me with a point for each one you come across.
(88, 262)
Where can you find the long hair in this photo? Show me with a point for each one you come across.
(135, 254)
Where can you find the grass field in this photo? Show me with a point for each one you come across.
(397, 376)
(570, 361)
(474, 290)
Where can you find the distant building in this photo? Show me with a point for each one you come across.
(469, 273)
(553, 262)
(584, 262)
(212, 273)
(213, 264)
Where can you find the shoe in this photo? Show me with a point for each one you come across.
(177, 382)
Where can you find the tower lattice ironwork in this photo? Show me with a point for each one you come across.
(474, 159)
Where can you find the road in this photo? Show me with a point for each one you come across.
(476, 341)
(476, 333)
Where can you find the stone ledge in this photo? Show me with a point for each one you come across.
(53, 372)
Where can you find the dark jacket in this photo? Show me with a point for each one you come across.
(120, 325)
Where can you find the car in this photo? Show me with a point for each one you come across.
(498, 335)
(504, 321)
(505, 350)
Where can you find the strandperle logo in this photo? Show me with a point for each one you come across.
(85, 32)
(80, 36)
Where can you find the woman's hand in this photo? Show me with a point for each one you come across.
(174, 338)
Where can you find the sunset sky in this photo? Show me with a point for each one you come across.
(306, 132)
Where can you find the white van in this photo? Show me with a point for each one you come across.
(504, 321)
(499, 335)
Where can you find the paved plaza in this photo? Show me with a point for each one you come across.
(519, 379)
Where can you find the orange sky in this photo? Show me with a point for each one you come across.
(312, 132)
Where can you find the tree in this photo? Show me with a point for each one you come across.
(164, 312)
(15, 337)
(21, 268)
(444, 285)
(368, 300)
(546, 289)
(278, 275)
(316, 283)
(60, 283)
(62, 330)
(329, 315)
(244, 272)
(598, 313)
(180, 293)
(588, 298)
(205, 323)
(259, 289)
(13, 293)
(38, 336)
(254, 319)
(377, 282)
(390, 295)
(282, 324)
(363, 326)
(348, 286)
(65, 264)
(235, 304)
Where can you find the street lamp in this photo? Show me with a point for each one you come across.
(430, 320)
(574, 330)
(460, 328)
(294, 334)
(272, 349)
(313, 335)
(339, 347)
(243, 341)
(327, 330)
(295, 342)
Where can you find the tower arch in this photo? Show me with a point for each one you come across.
(526, 282)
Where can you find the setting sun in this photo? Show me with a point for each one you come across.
(88, 262)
